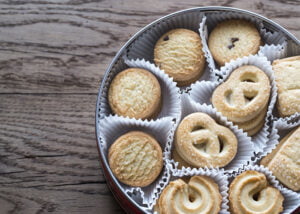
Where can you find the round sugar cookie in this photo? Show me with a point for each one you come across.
(136, 159)
(179, 53)
(135, 93)
(232, 39)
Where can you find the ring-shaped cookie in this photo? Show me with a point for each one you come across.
(250, 193)
(200, 195)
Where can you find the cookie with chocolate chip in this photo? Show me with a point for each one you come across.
(179, 53)
(232, 39)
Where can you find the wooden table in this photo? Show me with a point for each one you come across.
(53, 54)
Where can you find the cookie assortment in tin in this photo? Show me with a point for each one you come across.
(213, 114)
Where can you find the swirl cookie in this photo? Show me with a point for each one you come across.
(284, 160)
(287, 77)
(201, 142)
(250, 193)
(233, 39)
(179, 53)
(135, 93)
(243, 97)
(135, 159)
(200, 195)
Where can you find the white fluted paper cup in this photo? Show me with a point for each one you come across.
(112, 127)
(273, 52)
(210, 21)
(170, 94)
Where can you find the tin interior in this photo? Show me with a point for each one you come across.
(129, 203)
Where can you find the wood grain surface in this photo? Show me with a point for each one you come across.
(53, 54)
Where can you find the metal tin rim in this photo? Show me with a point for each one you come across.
(111, 180)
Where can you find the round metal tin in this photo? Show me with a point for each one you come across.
(126, 202)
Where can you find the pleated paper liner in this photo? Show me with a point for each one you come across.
(217, 175)
(143, 46)
(273, 52)
(112, 127)
(170, 93)
(245, 146)
(210, 20)
(201, 92)
(291, 199)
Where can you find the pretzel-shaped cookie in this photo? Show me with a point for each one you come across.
(200, 195)
(201, 142)
(243, 95)
(249, 193)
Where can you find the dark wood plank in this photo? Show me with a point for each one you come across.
(65, 46)
(48, 156)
